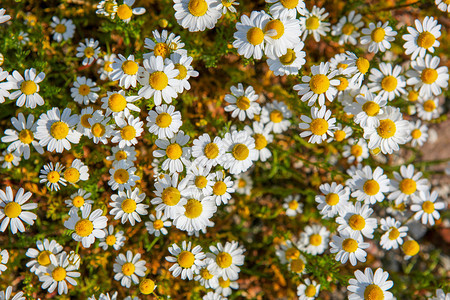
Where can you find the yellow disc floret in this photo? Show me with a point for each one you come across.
(78, 201)
(219, 188)
(171, 196)
(260, 141)
(163, 120)
(315, 239)
(425, 40)
(224, 260)
(194, 208)
(429, 75)
(110, 240)
(428, 207)
(26, 136)
(158, 80)
(128, 132)
(53, 176)
(318, 126)
(28, 87)
(411, 248)
(276, 25)
(124, 12)
(312, 23)
(129, 67)
(44, 258)
(255, 36)
(186, 259)
(276, 116)
(319, 83)
(378, 35)
(162, 49)
(243, 103)
(59, 274)
(174, 151)
(357, 222)
(197, 8)
(332, 199)
(363, 65)
(288, 58)
(408, 186)
(72, 175)
(349, 245)
(371, 108)
(121, 176)
(147, 286)
(128, 205)
(117, 102)
(128, 269)
(240, 152)
(386, 129)
(373, 292)
(59, 130)
(389, 83)
(12, 210)
(84, 90)
(371, 187)
(84, 227)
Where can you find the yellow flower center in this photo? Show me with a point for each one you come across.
(59, 130)
(78, 201)
(276, 116)
(429, 76)
(428, 207)
(121, 176)
(224, 260)
(84, 227)
(186, 259)
(310, 291)
(163, 120)
(227, 3)
(174, 151)
(28, 87)
(411, 248)
(194, 208)
(288, 58)
(363, 65)
(240, 152)
(120, 155)
(356, 150)
(318, 126)
(9, 157)
(339, 135)
(128, 133)
(158, 224)
(343, 84)
(260, 141)
(241, 183)
(312, 23)
(85, 120)
(293, 205)
(59, 274)
(147, 286)
(348, 28)
(183, 71)
(198, 8)
(378, 34)
(371, 187)
(416, 133)
(98, 130)
(128, 269)
(211, 150)
(429, 105)
(408, 186)
(319, 83)
(129, 67)
(205, 274)
(72, 175)
(297, 265)
(276, 25)
(332, 199)
(158, 80)
(124, 12)
(393, 233)
(292, 253)
(373, 292)
(107, 67)
(53, 176)
(425, 40)
(26, 136)
(219, 188)
(389, 83)
(84, 90)
(357, 222)
(289, 4)
(243, 103)
(350, 245)
(12, 210)
(171, 196)
(342, 66)
(161, 49)
(89, 52)
(255, 36)
(60, 28)
(110, 240)
(128, 205)
(386, 129)
(201, 182)
(117, 102)
(371, 108)
(413, 96)
(224, 283)
(315, 239)
(109, 7)
(44, 258)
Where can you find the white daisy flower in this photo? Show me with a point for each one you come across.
(378, 36)
(89, 51)
(289, 7)
(129, 129)
(222, 188)
(23, 136)
(125, 70)
(243, 184)
(78, 201)
(388, 82)
(146, 287)
(318, 126)
(426, 207)
(196, 15)
(308, 290)
(6, 294)
(4, 257)
(281, 34)
(320, 85)
(3, 16)
(99, 130)
(441, 5)
(225, 260)
(76, 172)
(357, 67)
(440, 294)
(122, 175)
(419, 133)
(240, 152)
(349, 246)
(242, 103)
(158, 79)
(410, 248)
(183, 64)
(128, 268)
(347, 28)
(406, 185)
(126, 153)
(201, 179)
(276, 116)
(314, 240)
(105, 64)
(262, 137)
(213, 296)
(225, 287)
(313, 23)
(23, 37)
(394, 233)
(427, 77)
(355, 218)
(88, 227)
(423, 38)
(164, 121)
(366, 109)
(356, 150)
(368, 285)
(9, 160)
(165, 45)
(187, 260)
(177, 155)
(111, 239)
(204, 277)
(369, 186)
(428, 108)
(52, 176)
(297, 265)
(56, 130)
(83, 126)
(27, 88)
(335, 198)
(125, 12)
(63, 29)
(337, 62)
(292, 205)
(289, 63)
(118, 104)
(225, 6)
(4, 85)
(157, 224)
(207, 153)
(340, 134)
(57, 273)
(107, 8)
(287, 252)
(127, 206)
(170, 195)
(389, 132)
(41, 256)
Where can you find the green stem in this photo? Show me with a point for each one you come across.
(78, 247)
(152, 243)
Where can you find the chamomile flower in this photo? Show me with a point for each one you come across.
(183, 65)
(88, 227)
(389, 132)
(388, 82)
(127, 206)
(58, 273)
(126, 153)
(111, 239)
(4, 257)
(356, 150)
(368, 285)
(262, 137)
(122, 175)
(165, 45)
(4, 85)
(356, 218)
(23, 136)
(440, 294)
(428, 108)
(204, 277)
(349, 246)
(56, 130)
(222, 188)
(225, 287)
(26, 88)
(426, 207)
(320, 85)
(423, 38)
(170, 195)
(23, 38)
(369, 186)
(347, 28)
(41, 256)
(441, 5)
(118, 104)
(76, 172)
(427, 77)
(292, 205)
(196, 15)
(340, 133)
(407, 185)
(206, 152)
(225, 260)
(3, 16)
(147, 286)
(276, 116)
(289, 63)
(164, 121)
(128, 268)
(107, 8)
(78, 201)
(337, 62)
(129, 129)
(243, 184)
(335, 198)
(52, 176)
(157, 223)
(313, 23)
(410, 248)
(287, 252)
(290, 7)
(308, 290)
(240, 151)
(105, 64)
(225, 6)
(158, 79)
(200, 179)
(357, 67)
(366, 109)
(378, 37)
(63, 29)
(394, 233)
(281, 34)
(250, 37)
(83, 126)
(177, 155)
(6, 294)
(125, 12)
(99, 130)
(9, 160)
(242, 103)
(187, 260)
(318, 126)
(419, 133)
(89, 51)
(125, 70)
(314, 240)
